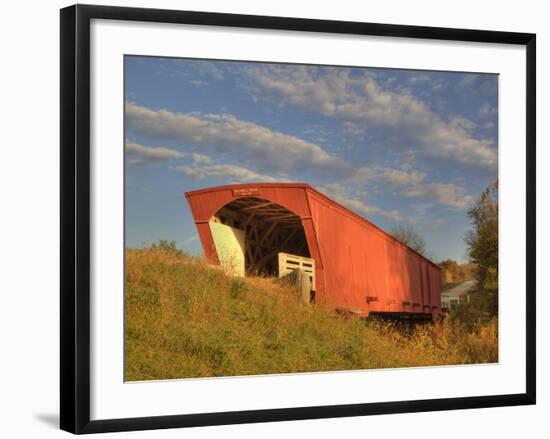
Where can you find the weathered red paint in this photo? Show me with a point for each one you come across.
(359, 267)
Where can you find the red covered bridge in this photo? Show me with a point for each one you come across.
(358, 268)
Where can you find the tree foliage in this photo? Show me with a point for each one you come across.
(167, 246)
(450, 271)
(410, 237)
(453, 272)
(482, 242)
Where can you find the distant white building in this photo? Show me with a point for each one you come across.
(457, 295)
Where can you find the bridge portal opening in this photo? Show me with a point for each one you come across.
(251, 232)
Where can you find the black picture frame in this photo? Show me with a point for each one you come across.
(75, 217)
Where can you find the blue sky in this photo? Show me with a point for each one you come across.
(395, 146)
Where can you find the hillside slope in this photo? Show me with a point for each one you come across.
(185, 318)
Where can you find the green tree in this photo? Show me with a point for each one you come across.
(482, 242)
(410, 237)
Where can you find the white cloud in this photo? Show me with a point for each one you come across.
(225, 172)
(468, 80)
(192, 68)
(207, 68)
(486, 110)
(355, 129)
(340, 194)
(360, 99)
(258, 147)
(138, 153)
(419, 79)
(448, 194)
(198, 83)
(398, 177)
(363, 173)
(245, 141)
(200, 159)
(141, 154)
(461, 123)
(438, 86)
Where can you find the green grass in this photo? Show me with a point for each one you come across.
(185, 318)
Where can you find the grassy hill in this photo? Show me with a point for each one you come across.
(185, 318)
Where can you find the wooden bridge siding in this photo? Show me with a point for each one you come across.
(354, 259)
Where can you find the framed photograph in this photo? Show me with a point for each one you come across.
(268, 219)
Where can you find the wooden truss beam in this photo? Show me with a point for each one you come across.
(257, 206)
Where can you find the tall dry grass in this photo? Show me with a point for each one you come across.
(185, 318)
